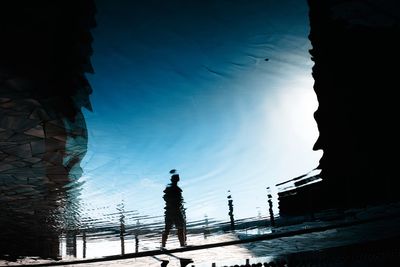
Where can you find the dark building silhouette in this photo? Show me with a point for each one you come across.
(45, 52)
(355, 48)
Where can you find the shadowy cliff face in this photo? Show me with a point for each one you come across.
(356, 53)
(44, 54)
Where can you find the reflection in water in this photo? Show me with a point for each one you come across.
(198, 103)
(43, 135)
(103, 237)
(41, 150)
(175, 214)
(201, 99)
(220, 89)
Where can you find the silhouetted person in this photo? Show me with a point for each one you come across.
(174, 210)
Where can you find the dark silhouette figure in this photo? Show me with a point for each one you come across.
(174, 210)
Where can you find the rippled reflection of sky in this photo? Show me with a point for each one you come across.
(185, 85)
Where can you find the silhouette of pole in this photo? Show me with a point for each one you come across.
(206, 230)
(271, 212)
(230, 205)
(84, 244)
(137, 236)
(136, 244)
(122, 227)
(121, 236)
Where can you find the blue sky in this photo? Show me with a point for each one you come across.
(185, 85)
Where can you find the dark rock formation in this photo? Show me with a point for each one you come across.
(355, 47)
(45, 52)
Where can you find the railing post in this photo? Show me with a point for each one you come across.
(230, 204)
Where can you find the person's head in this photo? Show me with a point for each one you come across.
(175, 178)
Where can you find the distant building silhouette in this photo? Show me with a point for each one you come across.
(355, 46)
(45, 52)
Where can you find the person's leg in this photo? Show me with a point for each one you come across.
(181, 226)
(164, 237)
(165, 234)
(182, 236)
